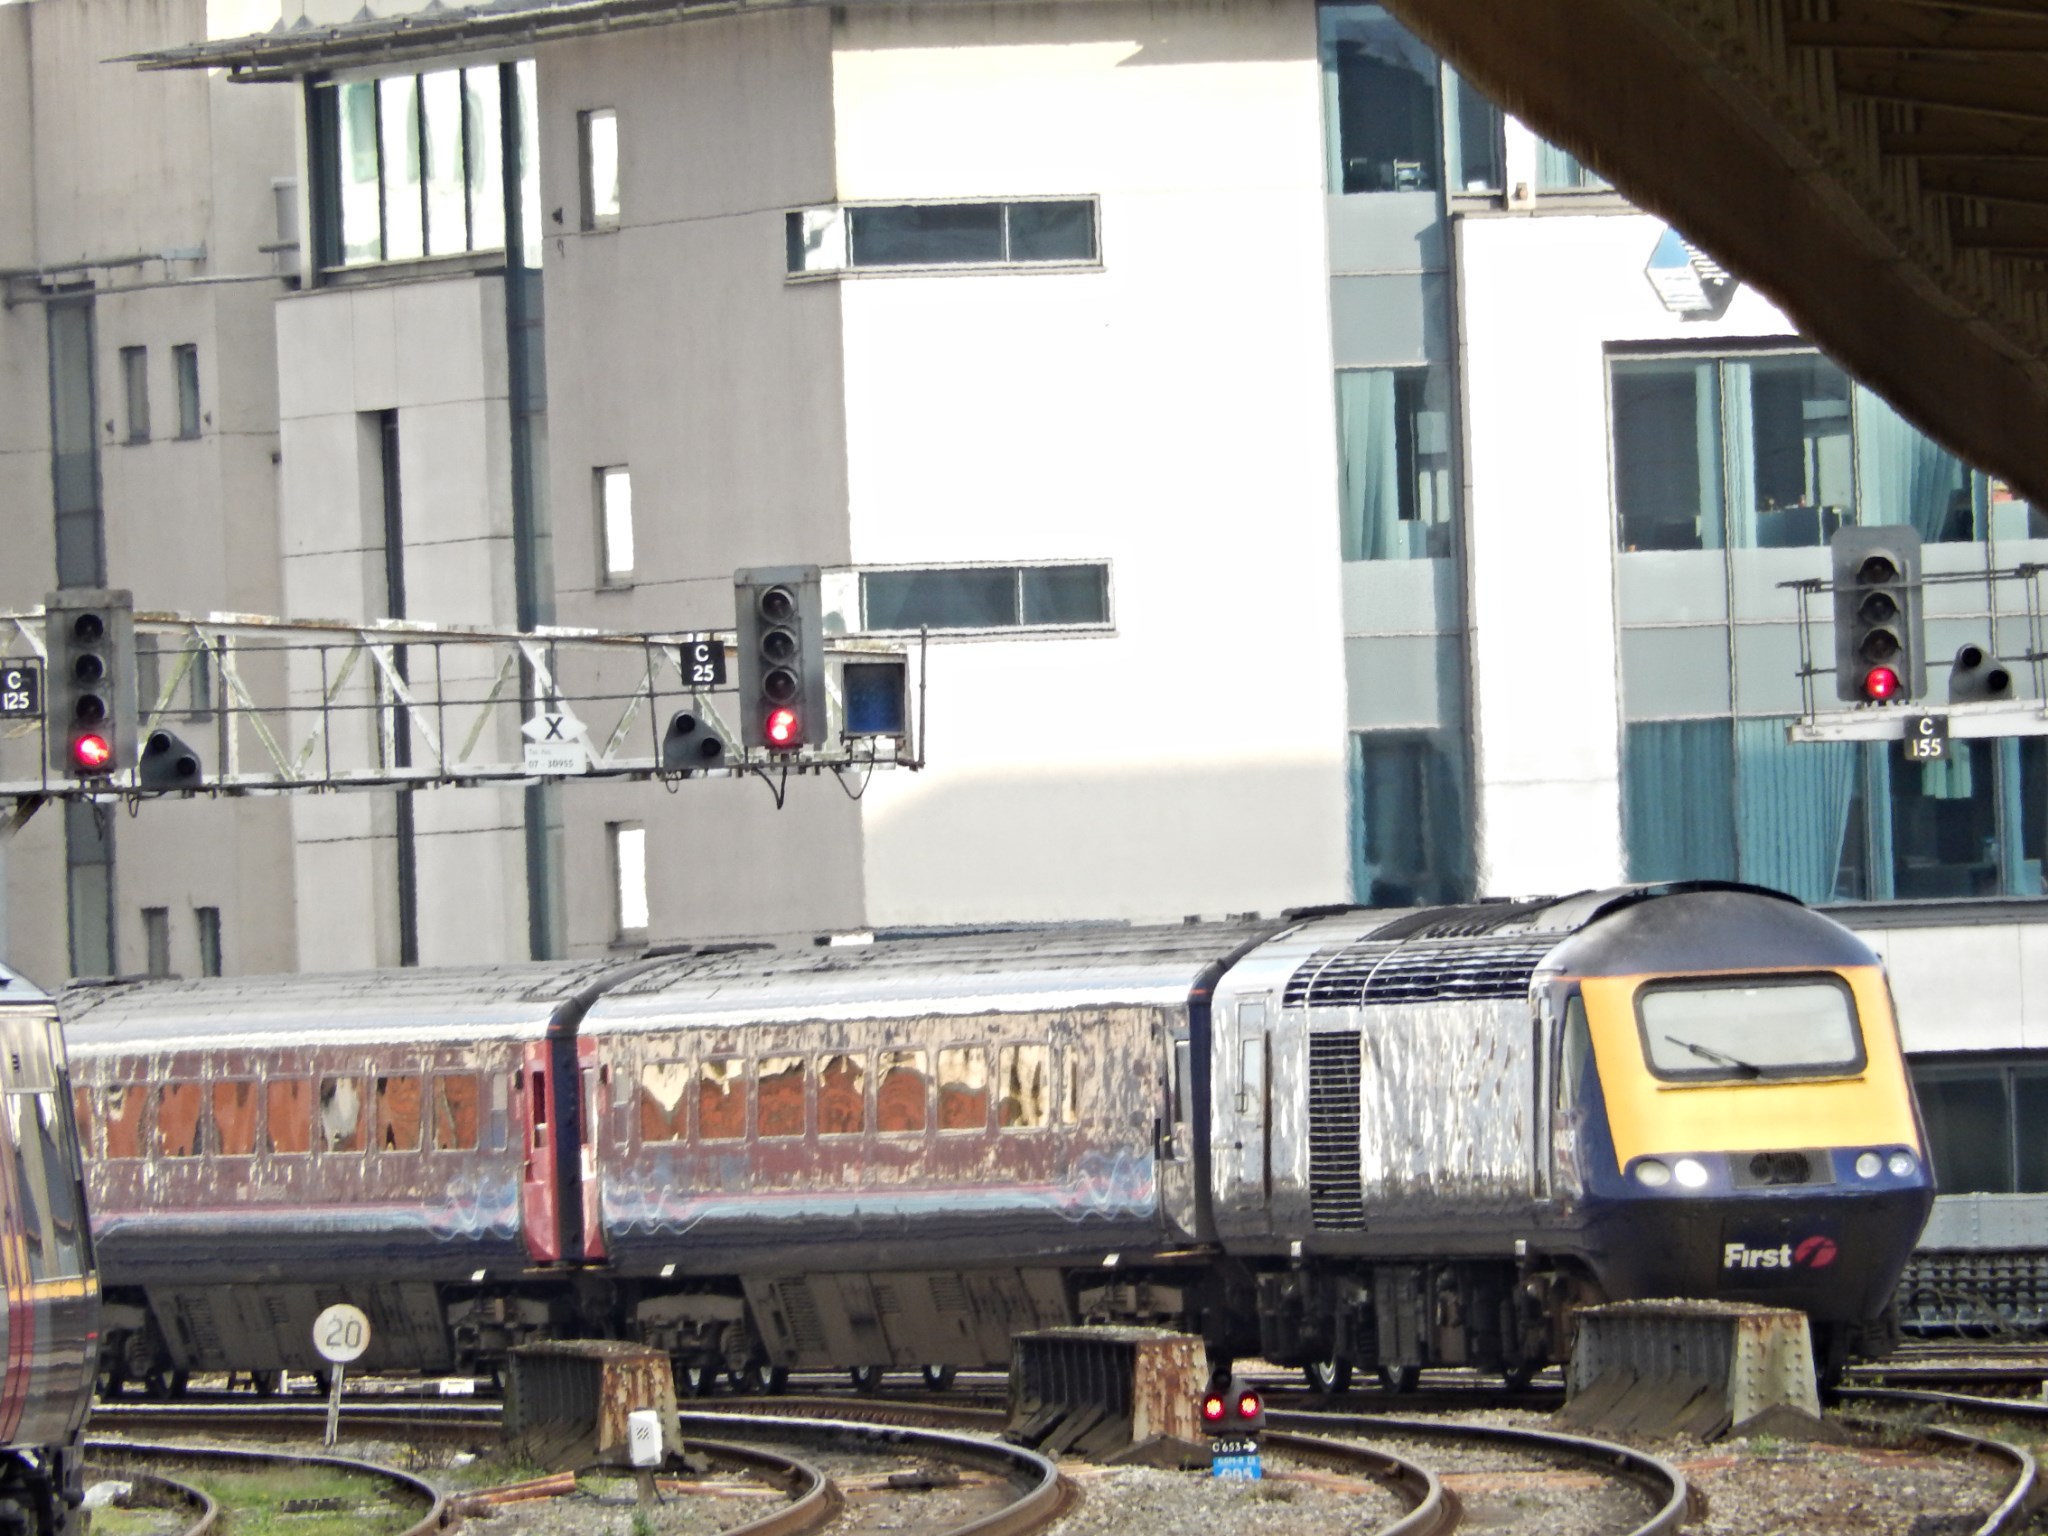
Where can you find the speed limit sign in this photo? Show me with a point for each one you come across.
(341, 1333)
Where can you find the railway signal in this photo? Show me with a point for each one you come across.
(782, 656)
(1977, 674)
(690, 743)
(1233, 1413)
(89, 719)
(1880, 650)
(167, 763)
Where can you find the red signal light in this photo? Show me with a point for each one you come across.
(1880, 683)
(1213, 1408)
(782, 729)
(1248, 1405)
(92, 753)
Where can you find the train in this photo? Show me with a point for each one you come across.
(49, 1329)
(1341, 1140)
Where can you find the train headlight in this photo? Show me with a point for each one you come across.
(1903, 1165)
(1652, 1174)
(1869, 1165)
(1690, 1172)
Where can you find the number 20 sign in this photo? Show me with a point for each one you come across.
(341, 1333)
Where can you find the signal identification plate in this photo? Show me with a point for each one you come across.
(21, 690)
(1927, 739)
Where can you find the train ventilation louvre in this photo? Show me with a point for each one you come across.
(1371, 971)
(800, 1311)
(1336, 1187)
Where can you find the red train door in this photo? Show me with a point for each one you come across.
(540, 1204)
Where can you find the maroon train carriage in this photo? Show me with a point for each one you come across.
(50, 1326)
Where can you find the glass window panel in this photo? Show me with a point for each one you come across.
(1070, 1099)
(207, 919)
(185, 366)
(1559, 170)
(722, 1099)
(156, 940)
(341, 1114)
(529, 163)
(963, 1088)
(1395, 476)
(1411, 840)
(1675, 670)
(600, 132)
(483, 157)
(123, 1119)
(234, 1117)
(961, 599)
(902, 1093)
(1474, 128)
(1745, 1029)
(1790, 451)
(456, 1100)
(816, 239)
(1667, 454)
(1680, 816)
(664, 1101)
(288, 1117)
(2030, 1121)
(52, 1152)
(1052, 231)
(398, 138)
(615, 516)
(629, 876)
(1800, 806)
(362, 218)
(1906, 477)
(135, 389)
(780, 1096)
(398, 1113)
(81, 1111)
(1969, 1130)
(1024, 1079)
(1066, 594)
(177, 1119)
(447, 197)
(842, 1096)
(932, 234)
(1381, 95)
(1944, 823)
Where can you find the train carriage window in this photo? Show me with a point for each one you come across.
(1765, 1026)
(1024, 1075)
(842, 1096)
(288, 1115)
(455, 1111)
(123, 1119)
(177, 1119)
(664, 1100)
(780, 1095)
(67, 1224)
(963, 1088)
(722, 1099)
(902, 1094)
(46, 1196)
(81, 1110)
(341, 1114)
(234, 1117)
(398, 1113)
(1070, 1100)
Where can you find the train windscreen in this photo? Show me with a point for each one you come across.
(1750, 1028)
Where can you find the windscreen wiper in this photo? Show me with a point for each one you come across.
(1746, 1068)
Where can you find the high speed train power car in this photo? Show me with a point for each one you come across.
(50, 1325)
(1345, 1138)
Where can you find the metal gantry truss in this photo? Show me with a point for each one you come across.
(276, 706)
(1896, 720)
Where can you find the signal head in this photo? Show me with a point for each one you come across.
(782, 727)
(1214, 1408)
(1880, 683)
(92, 753)
(88, 628)
(1249, 1404)
(777, 604)
(1877, 568)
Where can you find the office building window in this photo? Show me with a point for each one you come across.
(1410, 825)
(208, 922)
(1473, 145)
(410, 166)
(185, 365)
(1559, 170)
(1398, 501)
(1981, 1116)
(986, 597)
(1041, 232)
(597, 134)
(629, 878)
(615, 525)
(135, 391)
(156, 941)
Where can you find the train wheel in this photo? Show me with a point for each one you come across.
(866, 1378)
(113, 1382)
(938, 1378)
(1328, 1377)
(1516, 1378)
(704, 1380)
(265, 1383)
(1400, 1378)
(778, 1380)
(747, 1380)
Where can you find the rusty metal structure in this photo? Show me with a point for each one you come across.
(568, 1402)
(1878, 167)
(1338, 1139)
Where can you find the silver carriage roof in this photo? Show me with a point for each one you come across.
(17, 989)
(992, 971)
(442, 1004)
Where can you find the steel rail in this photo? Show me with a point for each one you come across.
(814, 1498)
(439, 1513)
(1658, 1477)
(209, 1511)
(1045, 1493)
(2026, 1493)
(1431, 1511)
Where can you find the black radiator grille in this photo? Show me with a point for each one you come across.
(1336, 1188)
(1414, 972)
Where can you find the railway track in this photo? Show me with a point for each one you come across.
(148, 1461)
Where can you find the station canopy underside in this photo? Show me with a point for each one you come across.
(1878, 168)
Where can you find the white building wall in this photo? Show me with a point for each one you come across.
(1170, 414)
(1541, 297)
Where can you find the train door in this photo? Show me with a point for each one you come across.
(1243, 1162)
(591, 1150)
(540, 1183)
(1176, 1138)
